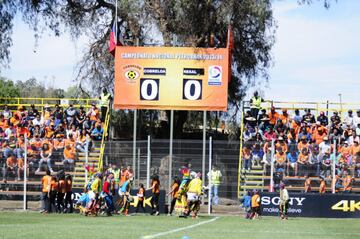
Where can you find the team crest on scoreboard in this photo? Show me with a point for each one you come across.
(131, 72)
(214, 75)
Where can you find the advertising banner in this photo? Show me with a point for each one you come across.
(313, 205)
(165, 78)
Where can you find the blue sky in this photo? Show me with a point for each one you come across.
(316, 54)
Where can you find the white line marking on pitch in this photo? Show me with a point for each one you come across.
(178, 229)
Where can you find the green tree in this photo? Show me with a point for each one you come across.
(32, 88)
(172, 22)
(190, 21)
(8, 89)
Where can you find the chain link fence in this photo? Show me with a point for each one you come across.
(225, 155)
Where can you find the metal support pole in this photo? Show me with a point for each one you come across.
(272, 166)
(134, 142)
(138, 167)
(204, 147)
(148, 163)
(333, 168)
(171, 149)
(25, 170)
(341, 109)
(86, 157)
(210, 185)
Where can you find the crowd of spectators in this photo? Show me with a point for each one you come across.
(53, 134)
(304, 143)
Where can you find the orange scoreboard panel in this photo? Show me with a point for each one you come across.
(178, 78)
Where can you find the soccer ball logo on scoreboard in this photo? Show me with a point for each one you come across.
(215, 75)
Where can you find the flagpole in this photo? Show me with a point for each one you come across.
(116, 22)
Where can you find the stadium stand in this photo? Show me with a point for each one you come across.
(305, 145)
(58, 131)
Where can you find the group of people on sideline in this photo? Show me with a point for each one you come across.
(113, 190)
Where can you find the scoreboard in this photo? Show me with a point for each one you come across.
(165, 78)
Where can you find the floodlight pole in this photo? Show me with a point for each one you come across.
(204, 147)
(86, 157)
(171, 149)
(148, 163)
(272, 166)
(25, 170)
(134, 130)
(138, 167)
(333, 169)
(134, 141)
(210, 176)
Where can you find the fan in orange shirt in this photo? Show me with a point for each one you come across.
(12, 165)
(303, 160)
(36, 144)
(61, 190)
(69, 155)
(303, 144)
(71, 141)
(355, 149)
(93, 113)
(45, 194)
(292, 135)
(174, 192)
(280, 158)
(345, 151)
(21, 113)
(15, 120)
(68, 190)
(347, 182)
(59, 144)
(318, 126)
(50, 131)
(3, 123)
(281, 144)
(273, 116)
(285, 117)
(318, 135)
(53, 193)
(22, 130)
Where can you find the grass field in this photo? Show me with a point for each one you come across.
(35, 225)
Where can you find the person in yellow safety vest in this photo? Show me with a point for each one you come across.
(193, 196)
(105, 99)
(255, 105)
(116, 171)
(215, 176)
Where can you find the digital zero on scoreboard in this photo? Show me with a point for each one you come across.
(179, 78)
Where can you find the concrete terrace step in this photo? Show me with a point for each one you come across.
(31, 193)
(91, 152)
(89, 158)
(252, 187)
(55, 173)
(253, 182)
(21, 182)
(253, 176)
(257, 167)
(255, 172)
